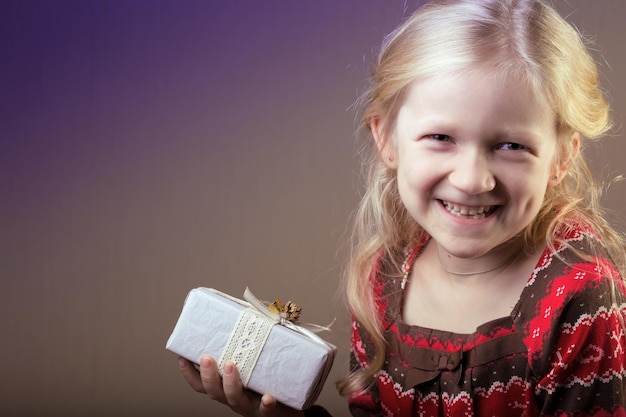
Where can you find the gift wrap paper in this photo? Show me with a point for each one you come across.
(291, 366)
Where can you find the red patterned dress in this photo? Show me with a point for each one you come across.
(561, 352)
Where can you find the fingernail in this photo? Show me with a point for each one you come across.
(228, 368)
(205, 362)
(267, 401)
(182, 363)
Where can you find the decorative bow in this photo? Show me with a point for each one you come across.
(286, 315)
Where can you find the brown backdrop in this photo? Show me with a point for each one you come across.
(149, 147)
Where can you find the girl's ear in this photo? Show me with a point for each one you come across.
(385, 147)
(568, 150)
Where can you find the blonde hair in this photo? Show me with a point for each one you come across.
(523, 38)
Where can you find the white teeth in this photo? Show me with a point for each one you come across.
(475, 212)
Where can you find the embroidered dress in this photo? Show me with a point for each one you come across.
(561, 352)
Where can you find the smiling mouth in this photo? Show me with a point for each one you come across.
(470, 212)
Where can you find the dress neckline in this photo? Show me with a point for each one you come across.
(412, 252)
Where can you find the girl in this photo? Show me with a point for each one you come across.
(483, 278)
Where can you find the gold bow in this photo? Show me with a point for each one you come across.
(277, 312)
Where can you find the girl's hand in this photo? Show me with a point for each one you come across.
(228, 390)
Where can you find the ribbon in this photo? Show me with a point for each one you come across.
(246, 342)
(307, 329)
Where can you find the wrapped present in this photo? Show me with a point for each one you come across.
(273, 355)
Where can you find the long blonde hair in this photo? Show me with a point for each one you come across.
(524, 38)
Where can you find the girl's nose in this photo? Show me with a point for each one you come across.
(471, 173)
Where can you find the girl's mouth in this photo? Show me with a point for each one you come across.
(471, 212)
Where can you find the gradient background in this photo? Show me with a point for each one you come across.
(148, 147)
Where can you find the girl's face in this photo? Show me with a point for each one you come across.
(474, 155)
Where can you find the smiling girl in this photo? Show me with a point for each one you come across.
(483, 280)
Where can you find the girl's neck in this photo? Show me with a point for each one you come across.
(491, 264)
(436, 299)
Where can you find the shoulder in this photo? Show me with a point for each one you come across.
(573, 268)
(570, 296)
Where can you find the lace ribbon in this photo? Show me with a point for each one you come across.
(251, 331)
(246, 342)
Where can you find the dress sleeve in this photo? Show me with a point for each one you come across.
(364, 403)
(586, 363)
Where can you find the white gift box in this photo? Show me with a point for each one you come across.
(286, 361)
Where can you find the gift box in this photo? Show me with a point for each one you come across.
(273, 355)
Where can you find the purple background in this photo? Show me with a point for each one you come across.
(149, 147)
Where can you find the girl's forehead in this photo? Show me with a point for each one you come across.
(487, 77)
(474, 99)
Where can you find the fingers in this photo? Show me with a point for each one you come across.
(267, 408)
(239, 399)
(206, 380)
(191, 374)
(228, 390)
(211, 380)
(231, 384)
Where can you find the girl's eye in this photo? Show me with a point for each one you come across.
(511, 146)
(439, 137)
